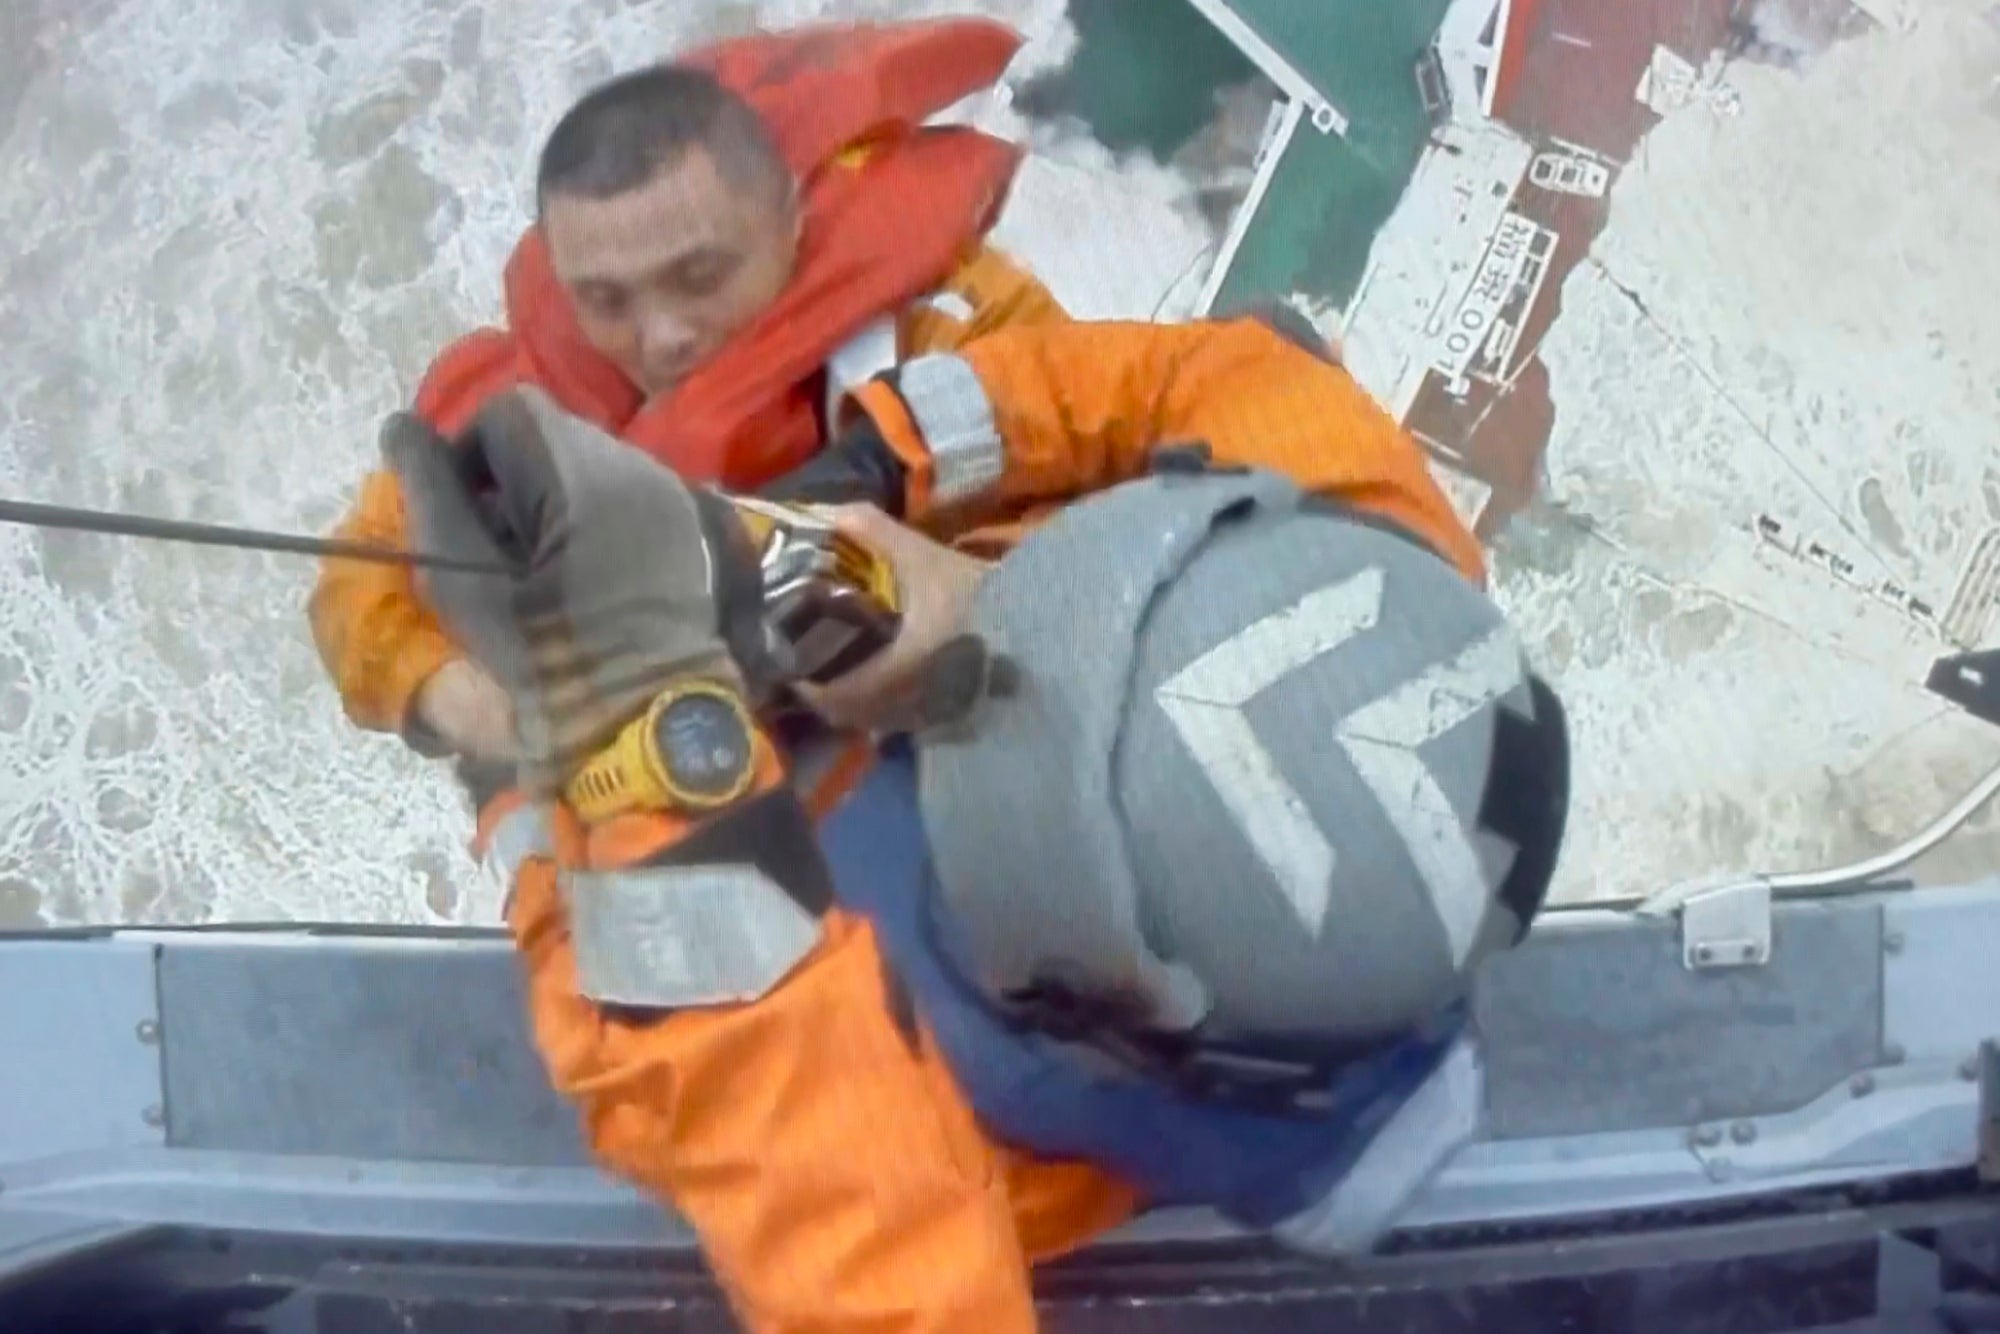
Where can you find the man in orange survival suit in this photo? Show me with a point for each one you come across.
(723, 242)
(836, 1171)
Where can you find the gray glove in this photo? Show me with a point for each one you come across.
(619, 570)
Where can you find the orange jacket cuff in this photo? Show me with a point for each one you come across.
(899, 431)
(934, 413)
(414, 663)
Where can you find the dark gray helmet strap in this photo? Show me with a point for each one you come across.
(1186, 1062)
(1527, 798)
(1268, 1077)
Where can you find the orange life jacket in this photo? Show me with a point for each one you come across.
(880, 231)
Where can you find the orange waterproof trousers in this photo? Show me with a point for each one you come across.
(815, 1141)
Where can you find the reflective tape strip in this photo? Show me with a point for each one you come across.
(1439, 1119)
(952, 411)
(677, 936)
(860, 359)
(952, 305)
(522, 833)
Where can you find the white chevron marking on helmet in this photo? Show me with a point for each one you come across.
(1205, 702)
(1382, 738)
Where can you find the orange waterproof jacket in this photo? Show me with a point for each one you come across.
(893, 214)
(837, 1176)
(1067, 410)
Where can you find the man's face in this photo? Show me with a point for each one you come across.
(665, 274)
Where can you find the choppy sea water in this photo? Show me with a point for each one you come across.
(236, 230)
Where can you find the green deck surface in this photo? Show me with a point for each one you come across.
(1144, 78)
(1330, 195)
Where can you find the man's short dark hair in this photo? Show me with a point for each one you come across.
(624, 132)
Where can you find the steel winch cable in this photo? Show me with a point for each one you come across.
(111, 523)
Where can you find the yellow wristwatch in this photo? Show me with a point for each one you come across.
(694, 749)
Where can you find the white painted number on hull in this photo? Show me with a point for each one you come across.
(1205, 702)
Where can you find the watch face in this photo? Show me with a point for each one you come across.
(704, 746)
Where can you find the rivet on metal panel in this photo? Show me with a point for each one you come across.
(1743, 1132)
(1705, 1137)
(1893, 1053)
(1861, 1085)
(149, 1031)
(1892, 943)
(154, 1115)
(1727, 926)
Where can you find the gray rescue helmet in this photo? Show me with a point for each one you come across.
(1268, 774)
